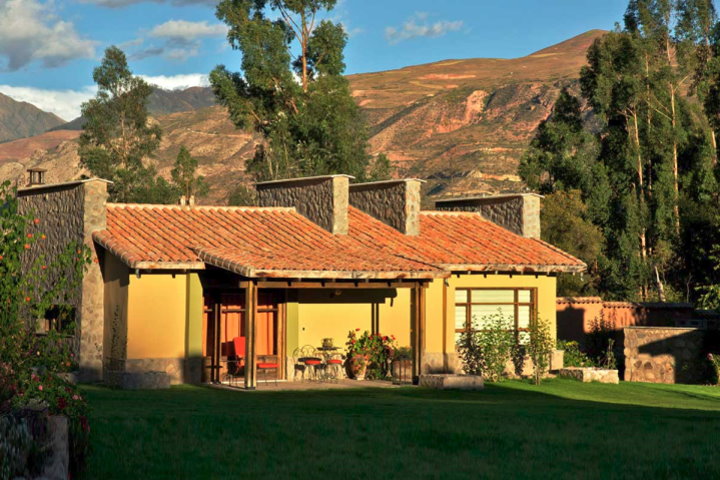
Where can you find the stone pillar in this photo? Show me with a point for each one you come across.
(92, 312)
(393, 202)
(518, 212)
(323, 200)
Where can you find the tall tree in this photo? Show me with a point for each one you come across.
(117, 136)
(300, 103)
(184, 176)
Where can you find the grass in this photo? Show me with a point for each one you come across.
(562, 429)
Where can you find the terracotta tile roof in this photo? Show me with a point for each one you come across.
(466, 241)
(251, 241)
(280, 243)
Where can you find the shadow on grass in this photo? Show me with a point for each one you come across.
(508, 430)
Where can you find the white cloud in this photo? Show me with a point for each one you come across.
(125, 3)
(63, 103)
(30, 31)
(182, 30)
(418, 26)
(178, 82)
(179, 39)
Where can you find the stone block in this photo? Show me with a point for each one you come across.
(590, 374)
(452, 382)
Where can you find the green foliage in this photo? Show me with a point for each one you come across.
(311, 126)
(714, 361)
(649, 177)
(540, 347)
(574, 357)
(242, 196)
(375, 349)
(566, 224)
(709, 298)
(184, 178)
(600, 342)
(487, 352)
(31, 364)
(117, 136)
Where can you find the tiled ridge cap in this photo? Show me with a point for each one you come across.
(453, 213)
(200, 207)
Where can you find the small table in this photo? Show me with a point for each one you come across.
(327, 353)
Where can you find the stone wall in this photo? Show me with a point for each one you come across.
(664, 355)
(519, 213)
(395, 203)
(70, 213)
(323, 200)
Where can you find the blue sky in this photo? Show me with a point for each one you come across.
(48, 48)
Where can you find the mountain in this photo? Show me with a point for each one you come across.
(163, 102)
(460, 124)
(21, 119)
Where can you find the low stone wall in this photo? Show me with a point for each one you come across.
(664, 355)
(452, 382)
(587, 375)
(129, 373)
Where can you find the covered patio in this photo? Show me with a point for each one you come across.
(254, 336)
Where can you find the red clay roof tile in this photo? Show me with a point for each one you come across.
(280, 243)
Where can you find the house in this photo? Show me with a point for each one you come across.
(172, 286)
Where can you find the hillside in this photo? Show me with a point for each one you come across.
(21, 119)
(460, 124)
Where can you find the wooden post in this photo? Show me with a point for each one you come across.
(215, 377)
(251, 299)
(417, 330)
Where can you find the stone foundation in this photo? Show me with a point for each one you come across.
(137, 380)
(587, 375)
(452, 382)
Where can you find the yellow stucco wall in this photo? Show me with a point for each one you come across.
(319, 314)
(546, 292)
(324, 313)
(157, 306)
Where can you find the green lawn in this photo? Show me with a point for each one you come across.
(562, 429)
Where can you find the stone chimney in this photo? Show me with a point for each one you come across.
(324, 199)
(71, 212)
(518, 212)
(36, 176)
(394, 202)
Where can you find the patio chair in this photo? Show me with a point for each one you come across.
(266, 364)
(334, 365)
(310, 361)
(236, 362)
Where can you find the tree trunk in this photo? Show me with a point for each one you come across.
(660, 287)
(676, 199)
(303, 45)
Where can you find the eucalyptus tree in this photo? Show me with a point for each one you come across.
(290, 88)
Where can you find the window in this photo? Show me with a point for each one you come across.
(472, 305)
(60, 318)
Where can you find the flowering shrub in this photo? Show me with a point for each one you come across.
(31, 285)
(715, 365)
(375, 349)
(486, 352)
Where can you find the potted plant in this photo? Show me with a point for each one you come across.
(369, 354)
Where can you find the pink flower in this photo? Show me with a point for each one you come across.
(36, 221)
(75, 397)
(40, 387)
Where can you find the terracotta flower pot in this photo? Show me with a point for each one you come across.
(358, 366)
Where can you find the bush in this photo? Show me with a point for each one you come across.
(714, 361)
(574, 357)
(540, 347)
(486, 352)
